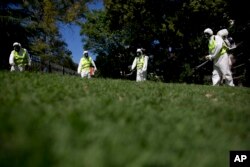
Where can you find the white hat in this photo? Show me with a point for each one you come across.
(208, 31)
(85, 52)
(16, 44)
(139, 50)
(222, 32)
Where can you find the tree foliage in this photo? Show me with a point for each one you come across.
(171, 31)
(35, 23)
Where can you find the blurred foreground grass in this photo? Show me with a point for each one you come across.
(65, 121)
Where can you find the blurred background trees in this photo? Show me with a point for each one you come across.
(35, 24)
(171, 32)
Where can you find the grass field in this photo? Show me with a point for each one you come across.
(65, 121)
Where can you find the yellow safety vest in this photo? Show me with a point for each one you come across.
(140, 62)
(21, 57)
(212, 44)
(86, 62)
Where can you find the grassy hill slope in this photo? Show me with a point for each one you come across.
(65, 121)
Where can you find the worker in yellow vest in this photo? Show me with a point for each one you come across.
(85, 65)
(229, 43)
(140, 63)
(218, 53)
(19, 58)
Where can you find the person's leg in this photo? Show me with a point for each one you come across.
(216, 76)
(83, 74)
(88, 74)
(13, 68)
(225, 70)
(139, 75)
(144, 75)
(21, 68)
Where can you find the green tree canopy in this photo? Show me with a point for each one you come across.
(35, 25)
(171, 31)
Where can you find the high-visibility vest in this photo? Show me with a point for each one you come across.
(86, 63)
(21, 57)
(212, 44)
(140, 62)
(224, 48)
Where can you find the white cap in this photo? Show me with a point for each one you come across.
(16, 44)
(222, 32)
(85, 52)
(139, 50)
(208, 31)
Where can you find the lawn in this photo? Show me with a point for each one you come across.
(65, 121)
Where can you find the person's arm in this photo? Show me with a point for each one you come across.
(133, 65)
(79, 67)
(93, 63)
(227, 43)
(145, 64)
(11, 58)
